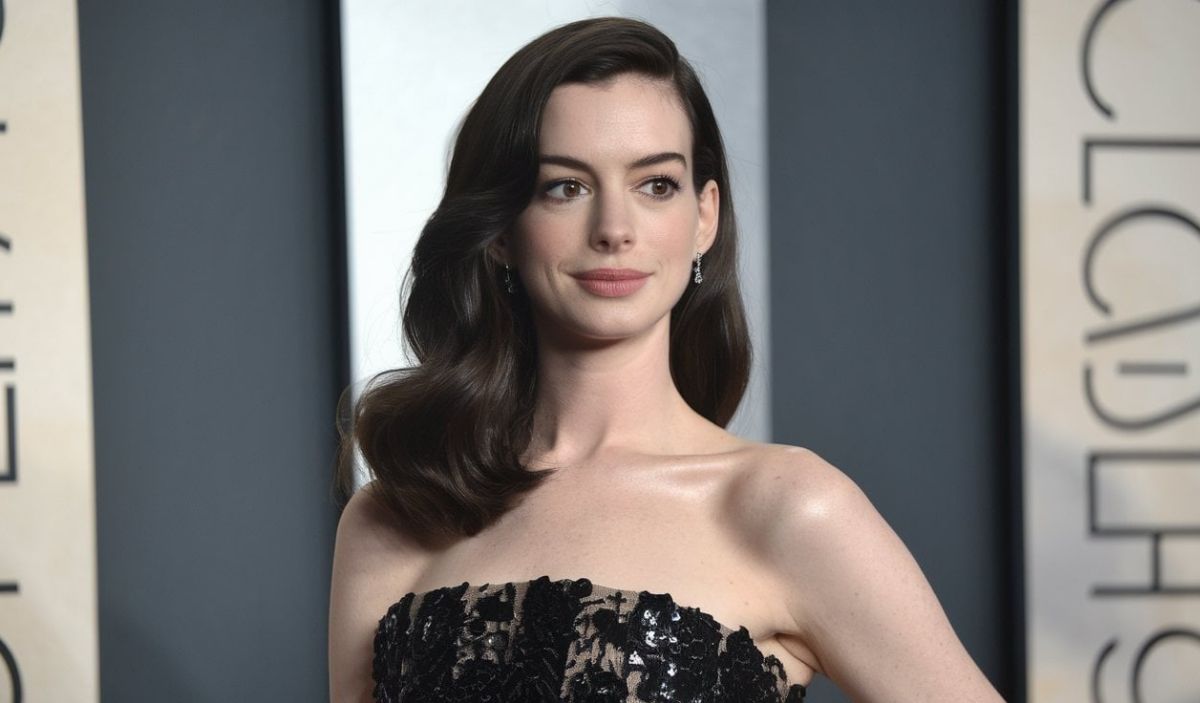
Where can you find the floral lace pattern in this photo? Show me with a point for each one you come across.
(568, 640)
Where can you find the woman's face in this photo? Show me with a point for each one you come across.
(614, 191)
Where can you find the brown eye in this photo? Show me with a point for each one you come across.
(569, 190)
(661, 187)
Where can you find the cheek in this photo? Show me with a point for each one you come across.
(540, 243)
(678, 230)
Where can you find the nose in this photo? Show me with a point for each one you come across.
(612, 226)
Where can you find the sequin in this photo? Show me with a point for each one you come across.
(568, 640)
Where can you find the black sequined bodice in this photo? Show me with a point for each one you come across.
(568, 640)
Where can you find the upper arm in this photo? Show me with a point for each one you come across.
(371, 565)
(858, 598)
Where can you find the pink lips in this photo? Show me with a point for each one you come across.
(612, 283)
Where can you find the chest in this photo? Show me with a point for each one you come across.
(660, 532)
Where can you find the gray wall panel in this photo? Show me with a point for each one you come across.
(211, 225)
(887, 321)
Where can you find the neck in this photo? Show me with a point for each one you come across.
(605, 398)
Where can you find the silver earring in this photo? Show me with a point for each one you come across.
(508, 282)
(698, 277)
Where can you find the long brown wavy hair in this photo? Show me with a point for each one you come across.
(443, 439)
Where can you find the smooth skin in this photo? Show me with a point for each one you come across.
(650, 495)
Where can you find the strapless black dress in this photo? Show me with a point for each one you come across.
(568, 640)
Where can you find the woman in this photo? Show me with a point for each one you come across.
(557, 512)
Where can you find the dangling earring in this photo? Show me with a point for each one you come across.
(698, 277)
(508, 282)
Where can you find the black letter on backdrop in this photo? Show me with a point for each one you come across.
(13, 673)
(8, 472)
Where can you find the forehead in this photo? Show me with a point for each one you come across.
(627, 116)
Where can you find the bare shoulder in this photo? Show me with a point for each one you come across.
(373, 564)
(806, 519)
(366, 524)
(784, 488)
(857, 599)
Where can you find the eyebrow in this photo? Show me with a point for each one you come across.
(650, 160)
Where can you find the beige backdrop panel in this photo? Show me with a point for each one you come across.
(1110, 309)
(47, 522)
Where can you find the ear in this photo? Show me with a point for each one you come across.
(710, 216)
(498, 250)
